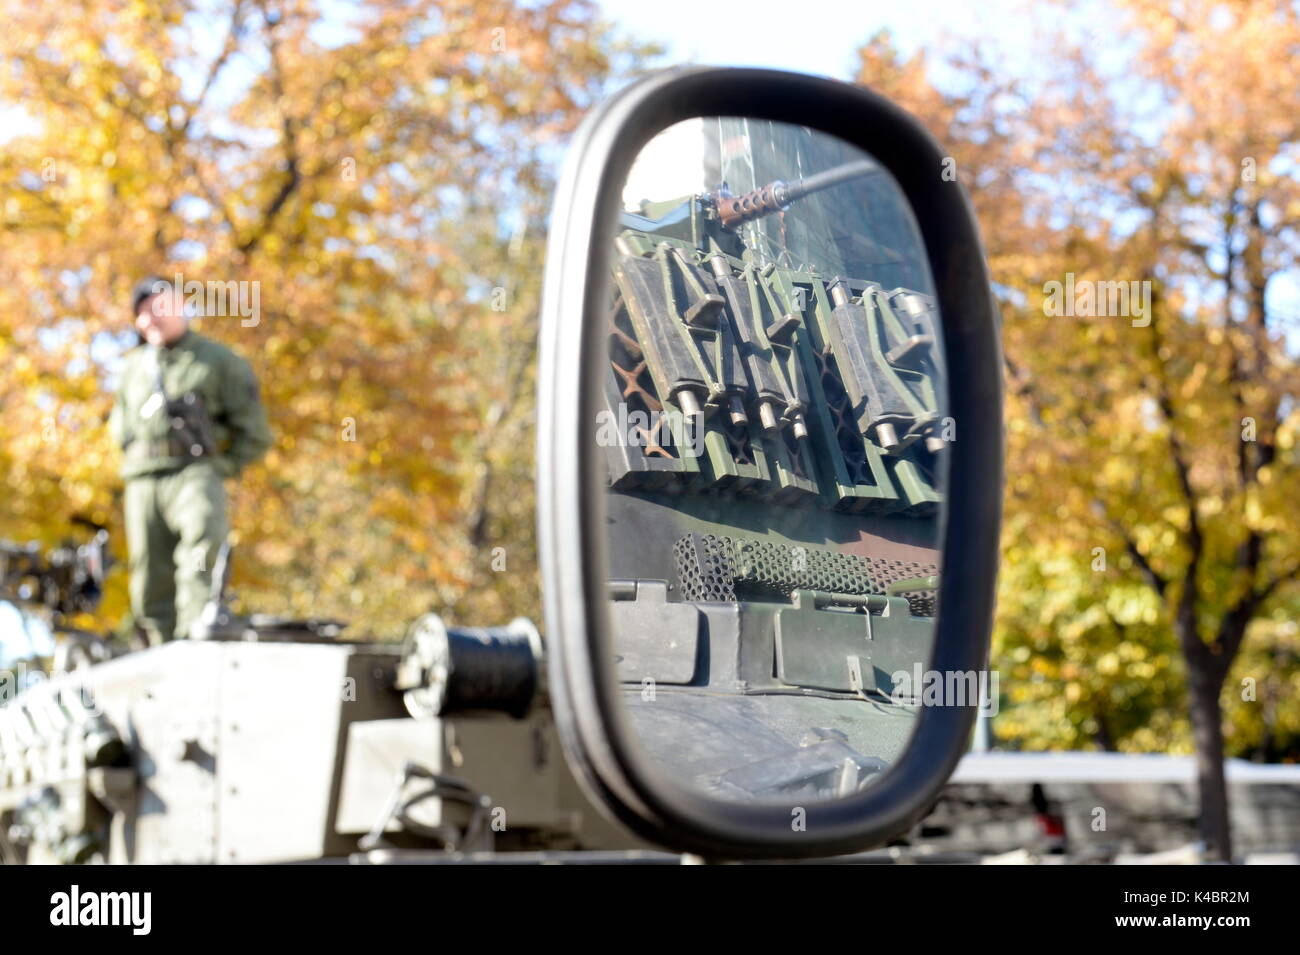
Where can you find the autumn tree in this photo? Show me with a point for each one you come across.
(1151, 446)
(379, 173)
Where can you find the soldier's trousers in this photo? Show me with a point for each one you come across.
(175, 524)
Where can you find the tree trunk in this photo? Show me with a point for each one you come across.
(1207, 731)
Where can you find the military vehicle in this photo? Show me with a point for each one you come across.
(274, 740)
(773, 402)
(746, 510)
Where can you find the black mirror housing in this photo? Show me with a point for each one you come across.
(571, 516)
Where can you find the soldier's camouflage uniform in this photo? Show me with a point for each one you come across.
(175, 502)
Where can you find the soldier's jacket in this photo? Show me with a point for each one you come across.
(220, 379)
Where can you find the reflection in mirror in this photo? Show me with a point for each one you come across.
(772, 432)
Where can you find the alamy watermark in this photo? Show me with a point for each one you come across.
(1088, 299)
(622, 428)
(242, 300)
(66, 695)
(131, 910)
(976, 688)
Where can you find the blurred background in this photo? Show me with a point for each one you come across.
(383, 172)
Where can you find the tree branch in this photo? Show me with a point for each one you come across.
(233, 36)
(1157, 583)
(288, 127)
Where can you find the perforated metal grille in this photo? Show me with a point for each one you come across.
(922, 602)
(704, 568)
(721, 568)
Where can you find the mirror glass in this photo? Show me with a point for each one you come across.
(772, 428)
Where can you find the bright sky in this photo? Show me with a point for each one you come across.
(809, 36)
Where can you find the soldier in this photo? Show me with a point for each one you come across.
(187, 416)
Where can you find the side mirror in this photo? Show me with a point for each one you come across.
(769, 463)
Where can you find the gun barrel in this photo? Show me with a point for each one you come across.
(734, 210)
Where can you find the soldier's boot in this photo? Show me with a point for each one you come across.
(196, 509)
(150, 542)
